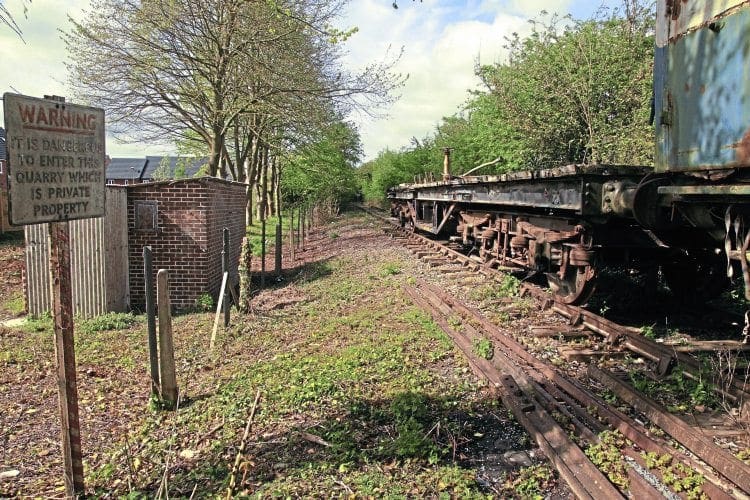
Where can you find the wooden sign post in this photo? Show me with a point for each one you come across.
(62, 303)
(55, 174)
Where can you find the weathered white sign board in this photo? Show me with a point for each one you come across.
(55, 160)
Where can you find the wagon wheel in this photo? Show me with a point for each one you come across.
(575, 282)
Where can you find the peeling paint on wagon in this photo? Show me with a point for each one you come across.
(702, 85)
(684, 16)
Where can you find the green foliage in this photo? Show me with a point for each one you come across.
(204, 302)
(683, 479)
(180, 168)
(410, 412)
(14, 304)
(106, 322)
(510, 286)
(323, 168)
(531, 482)
(648, 332)
(607, 457)
(656, 461)
(162, 170)
(483, 348)
(573, 91)
(687, 392)
(40, 323)
(390, 269)
(254, 233)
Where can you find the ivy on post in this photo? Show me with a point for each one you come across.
(246, 258)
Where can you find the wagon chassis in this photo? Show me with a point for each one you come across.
(563, 222)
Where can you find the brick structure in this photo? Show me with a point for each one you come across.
(4, 223)
(182, 221)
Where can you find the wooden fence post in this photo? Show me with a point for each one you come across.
(302, 227)
(278, 247)
(166, 345)
(225, 270)
(263, 253)
(153, 351)
(62, 303)
(291, 238)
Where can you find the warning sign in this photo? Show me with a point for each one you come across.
(55, 160)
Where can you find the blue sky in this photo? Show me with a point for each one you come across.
(441, 39)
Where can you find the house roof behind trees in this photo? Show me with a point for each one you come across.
(154, 168)
(172, 167)
(126, 168)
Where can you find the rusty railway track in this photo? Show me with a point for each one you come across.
(535, 391)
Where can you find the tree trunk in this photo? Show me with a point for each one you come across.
(263, 212)
(277, 251)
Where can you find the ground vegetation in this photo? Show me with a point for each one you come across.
(358, 397)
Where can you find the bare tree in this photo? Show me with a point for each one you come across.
(209, 70)
(7, 19)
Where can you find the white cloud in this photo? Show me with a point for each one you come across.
(441, 40)
(37, 67)
(439, 57)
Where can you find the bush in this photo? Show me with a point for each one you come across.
(204, 303)
(108, 321)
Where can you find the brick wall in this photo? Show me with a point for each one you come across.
(190, 215)
(4, 222)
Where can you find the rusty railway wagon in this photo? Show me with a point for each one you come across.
(687, 216)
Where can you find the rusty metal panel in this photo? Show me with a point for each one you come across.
(99, 267)
(702, 85)
(55, 154)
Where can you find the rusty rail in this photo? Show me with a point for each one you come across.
(664, 357)
(730, 466)
(581, 475)
(542, 374)
(545, 374)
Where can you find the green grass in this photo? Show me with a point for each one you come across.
(677, 392)
(14, 304)
(508, 287)
(363, 376)
(254, 232)
(106, 322)
(483, 348)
